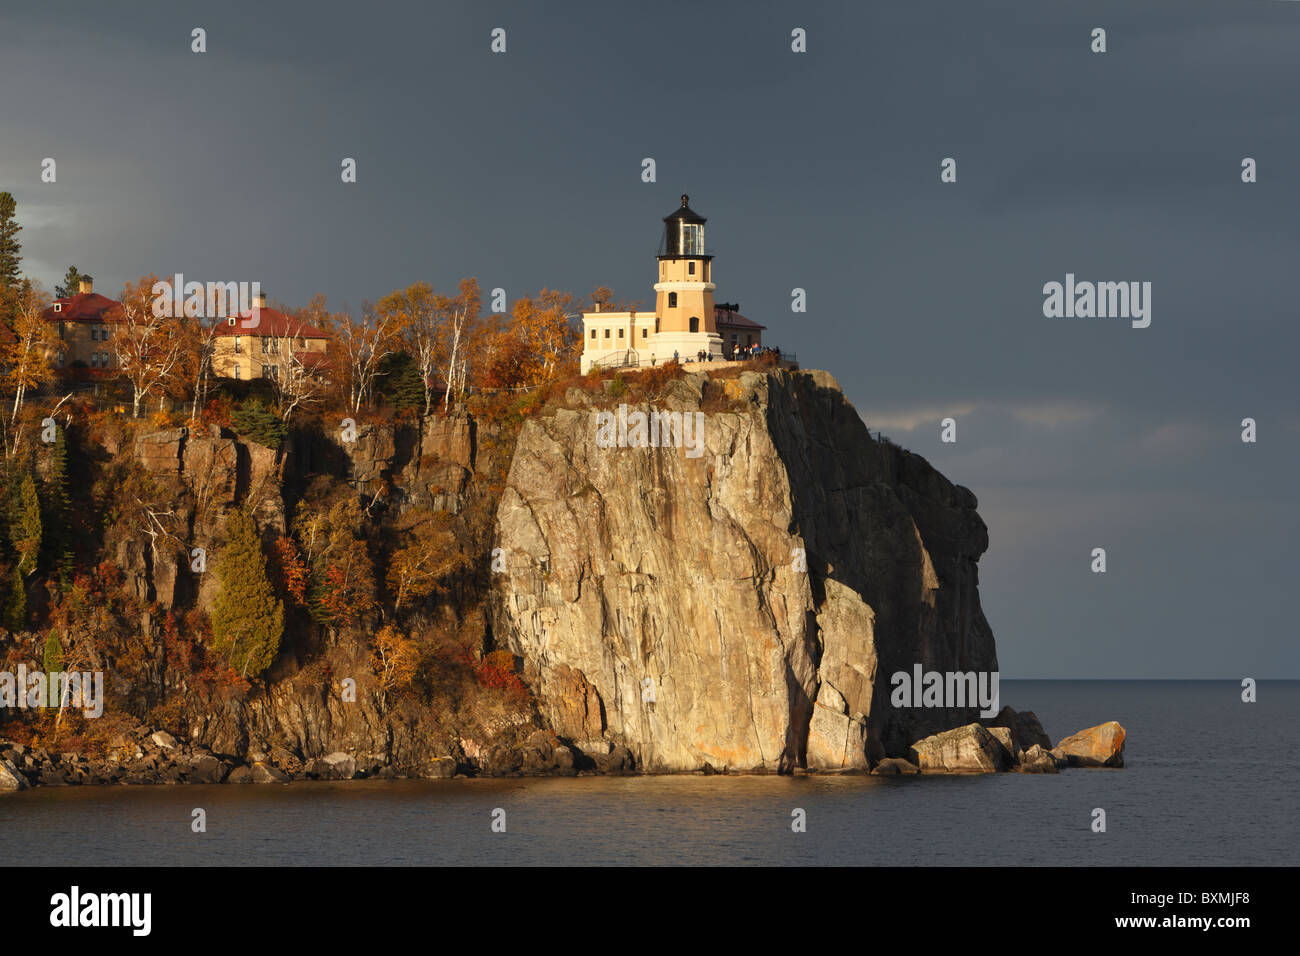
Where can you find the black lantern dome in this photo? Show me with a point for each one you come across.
(683, 234)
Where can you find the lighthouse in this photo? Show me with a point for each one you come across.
(683, 323)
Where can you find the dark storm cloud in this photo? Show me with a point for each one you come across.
(817, 171)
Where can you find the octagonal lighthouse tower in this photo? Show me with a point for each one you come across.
(683, 322)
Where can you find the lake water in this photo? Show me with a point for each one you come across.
(1208, 780)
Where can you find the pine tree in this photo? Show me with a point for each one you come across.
(53, 656)
(71, 283)
(16, 605)
(25, 536)
(25, 525)
(247, 617)
(58, 535)
(401, 385)
(10, 247)
(53, 662)
(254, 420)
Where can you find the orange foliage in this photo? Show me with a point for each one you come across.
(289, 569)
(497, 670)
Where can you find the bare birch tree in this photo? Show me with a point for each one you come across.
(148, 347)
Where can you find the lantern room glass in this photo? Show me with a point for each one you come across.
(692, 239)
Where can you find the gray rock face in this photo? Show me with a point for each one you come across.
(1025, 728)
(893, 766)
(335, 766)
(766, 589)
(1037, 760)
(440, 768)
(10, 778)
(969, 749)
(1008, 743)
(268, 773)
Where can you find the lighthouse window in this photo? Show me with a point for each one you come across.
(643, 333)
(690, 267)
(607, 333)
(672, 300)
(593, 333)
(692, 241)
(695, 323)
(620, 333)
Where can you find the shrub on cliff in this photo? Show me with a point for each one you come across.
(247, 617)
(255, 420)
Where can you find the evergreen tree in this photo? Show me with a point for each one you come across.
(254, 420)
(53, 656)
(25, 536)
(247, 617)
(53, 659)
(10, 247)
(58, 535)
(25, 525)
(71, 283)
(400, 382)
(16, 605)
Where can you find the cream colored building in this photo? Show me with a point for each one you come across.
(261, 343)
(683, 321)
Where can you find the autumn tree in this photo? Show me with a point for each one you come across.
(396, 659)
(457, 315)
(296, 383)
(537, 344)
(194, 368)
(26, 358)
(362, 344)
(342, 584)
(415, 314)
(429, 557)
(148, 345)
(291, 572)
(247, 617)
(542, 323)
(602, 299)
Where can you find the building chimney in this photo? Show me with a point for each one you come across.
(259, 300)
(86, 285)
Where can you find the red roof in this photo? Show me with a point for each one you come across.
(313, 360)
(82, 307)
(270, 322)
(734, 320)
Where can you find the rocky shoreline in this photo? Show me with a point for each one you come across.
(1012, 742)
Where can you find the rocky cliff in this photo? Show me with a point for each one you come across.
(736, 596)
(744, 608)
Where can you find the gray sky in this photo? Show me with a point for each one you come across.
(816, 170)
